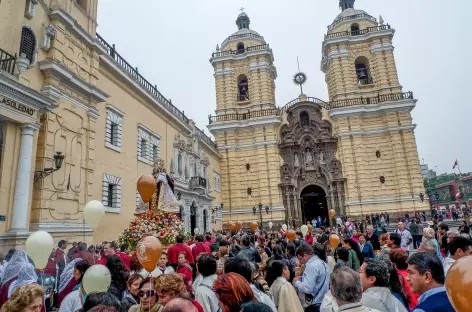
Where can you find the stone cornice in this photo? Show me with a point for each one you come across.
(241, 56)
(59, 72)
(72, 24)
(241, 124)
(248, 146)
(20, 93)
(383, 200)
(373, 109)
(227, 211)
(376, 131)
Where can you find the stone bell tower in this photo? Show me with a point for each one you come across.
(371, 116)
(245, 125)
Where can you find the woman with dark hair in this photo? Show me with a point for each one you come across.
(255, 307)
(366, 247)
(292, 259)
(320, 251)
(283, 294)
(399, 257)
(71, 278)
(395, 286)
(355, 256)
(132, 291)
(233, 291)
(148, 298)
(277, 254)
(342, 255)
(119, 276)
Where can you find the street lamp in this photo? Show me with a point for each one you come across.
(422, 197)
(254, 210)
(40, 174)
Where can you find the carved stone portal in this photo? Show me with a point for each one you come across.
(311, 178)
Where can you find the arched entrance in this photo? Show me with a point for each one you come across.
(193, 217)
(314, 203)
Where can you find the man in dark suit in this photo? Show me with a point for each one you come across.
(372, 237)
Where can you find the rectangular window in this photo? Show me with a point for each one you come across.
(111, 199)
(155, 152)
(113, 128)
(143, 148)
(114, 134)
(216, 182)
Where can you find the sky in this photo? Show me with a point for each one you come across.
(171, 42)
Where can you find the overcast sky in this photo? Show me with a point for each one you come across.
(171, 42)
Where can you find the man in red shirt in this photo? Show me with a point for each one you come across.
(109, 250)
(60, 257)
(124, 255)
(209, 240)
(200, 247)
(173, 252)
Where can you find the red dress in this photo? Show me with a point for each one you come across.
(4, 291)
(173, 253)
(200, 248)
(186, 271)
(69, 288)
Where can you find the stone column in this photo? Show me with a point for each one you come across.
(340, 199)
(296, 201)
(20, 220)
(289, 209)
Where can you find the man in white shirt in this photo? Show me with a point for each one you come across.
(204, 294)
(405, 235)
(459, 247)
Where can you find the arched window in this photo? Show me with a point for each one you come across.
(240, 48)
(363, 71)
(243, 88)
(179, 164)
(304, 119)
(355, 30)
(28, 44)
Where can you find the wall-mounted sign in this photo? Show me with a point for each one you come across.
(19, 107)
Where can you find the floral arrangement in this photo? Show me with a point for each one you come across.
(163, 225)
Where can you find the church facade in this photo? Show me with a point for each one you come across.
(354, 152)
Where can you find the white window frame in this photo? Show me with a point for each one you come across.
(30, 8)
(216, 182)
(114, 117)
(152, 145)
(116, 182)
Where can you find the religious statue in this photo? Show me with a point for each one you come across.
(308, 158)
(322, 159)
(296, 162)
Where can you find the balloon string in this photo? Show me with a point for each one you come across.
(42, 285)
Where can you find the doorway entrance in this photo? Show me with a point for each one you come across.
(314, 204)
(193, 218)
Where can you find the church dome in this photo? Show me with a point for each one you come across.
(244, 32)
(349, 13)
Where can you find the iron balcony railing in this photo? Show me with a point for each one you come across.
(241, 36)
(133, 72)
(198, 181)
(372, 100)
(334, 104)
(357, 32)
(241, 51)
(7, 62)
(352, 17)
(244, 116)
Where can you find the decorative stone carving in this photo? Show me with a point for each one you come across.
(317, 146)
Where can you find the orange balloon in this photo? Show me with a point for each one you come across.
(231, 226)
(291, 235)
(334, 240)
(146, 187)
(459, 283)
(239, 226)
(332, 213)
(254, 226)
(310, 228)
(148, 251)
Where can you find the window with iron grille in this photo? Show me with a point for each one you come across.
(28, 44)
(111, 192)
(155, 152)
(114, 134)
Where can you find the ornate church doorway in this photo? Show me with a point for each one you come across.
(314, 203)
(193, 217)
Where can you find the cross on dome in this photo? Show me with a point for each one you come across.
(243, 20)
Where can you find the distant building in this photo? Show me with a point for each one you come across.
(426, 172)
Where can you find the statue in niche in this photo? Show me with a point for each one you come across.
(308, 158)
(322, 159)
(296, 163)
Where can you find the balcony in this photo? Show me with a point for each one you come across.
(197, 182)
(244, 116)
(241, 51)
(7, 62)
(372, 100)
(357, 32)
(352, 17)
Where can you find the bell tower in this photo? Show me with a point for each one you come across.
(371, 116)
(245, 125)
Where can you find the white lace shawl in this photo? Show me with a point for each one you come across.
(27, 275)
(167, 200)
(12, 268)
(68, 274)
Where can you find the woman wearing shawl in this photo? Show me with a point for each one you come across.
(11, 272)
(71, 278)
(26, 276)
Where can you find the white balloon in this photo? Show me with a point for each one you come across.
(94, 211)
(196, 231)
(97, 278)
(284, 227)
(304, 229)
(270, 224)
(39, 247)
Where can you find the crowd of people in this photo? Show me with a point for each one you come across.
(253, 271)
